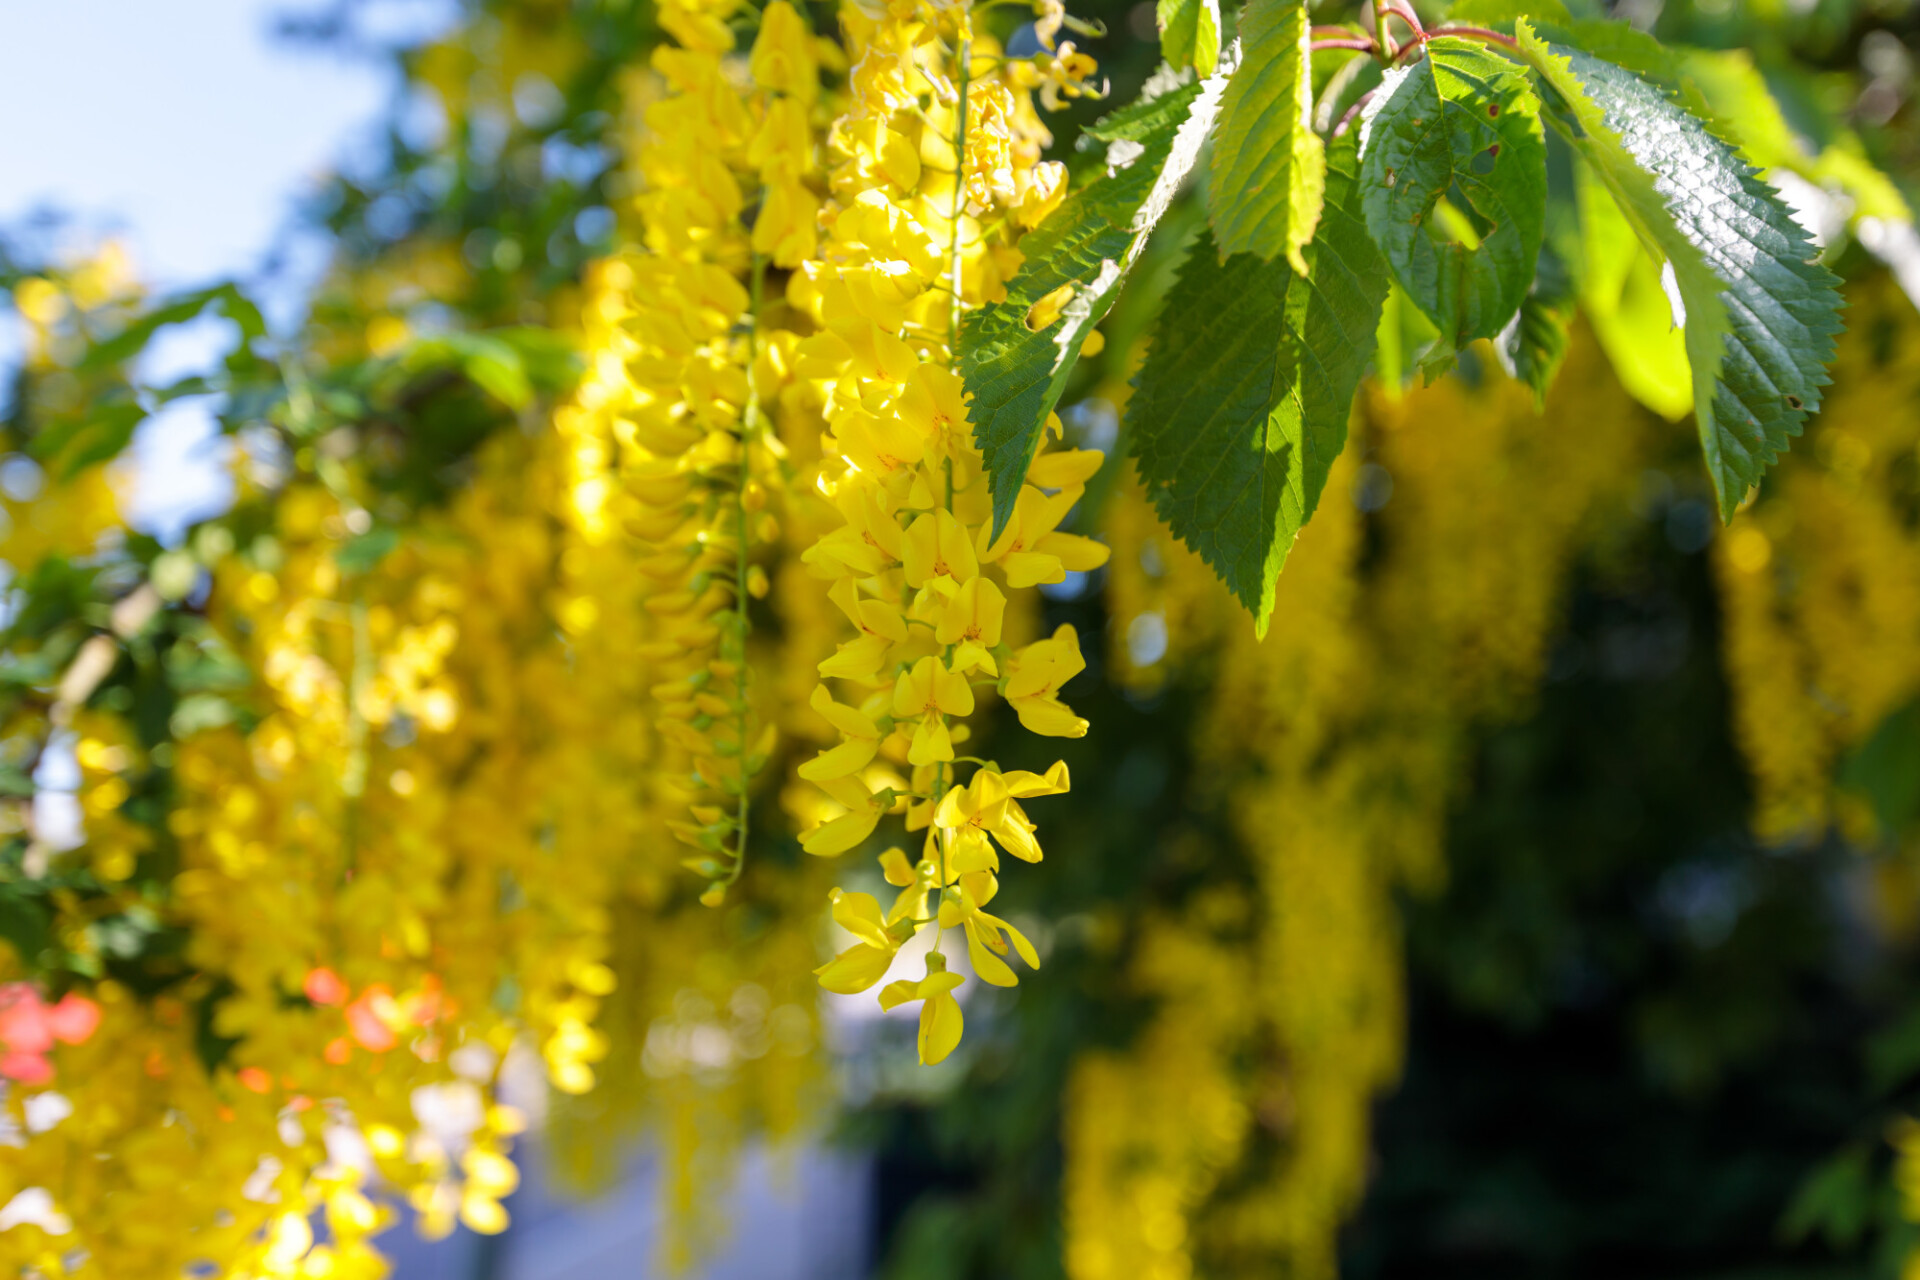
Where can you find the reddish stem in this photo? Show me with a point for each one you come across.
(1340, 126)
(1477, 33)
(1351, 42)
(1406, 14)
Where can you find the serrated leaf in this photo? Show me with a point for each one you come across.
(1190, 33)
(1014, 357)
(1269, 171)
(1242, 404)
(1534, 344)
(1761, 315)
(1461, 126)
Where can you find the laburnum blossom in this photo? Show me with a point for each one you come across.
(986, 934)
(940, 1020)
(731, 180)
(989, 805)
(1034, 679)
(936, 170)
(970, 621)
(859, 740)
(875, 944)
(926, 694)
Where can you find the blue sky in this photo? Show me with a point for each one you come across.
(185, 128)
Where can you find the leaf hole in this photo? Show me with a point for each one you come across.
(1795, 402)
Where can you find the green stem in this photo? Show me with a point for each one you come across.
(958, 204)
(749, 428)
(955, 209)
(1387, 52)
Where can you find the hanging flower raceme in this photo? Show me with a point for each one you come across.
(686, 369)
(936, 167)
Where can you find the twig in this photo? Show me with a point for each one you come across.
(1476, 33)
(1352, 111)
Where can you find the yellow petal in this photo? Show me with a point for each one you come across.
(855, 969)
(1049, 717)
(1065, 468)
(1030, 569)
(857, 659)
(841, 834)
(988, 966)
(860, 916)
(837, 762)
(940, 1024)
(931, 742)
(1023, 784)
(895, 994)
(896, 868)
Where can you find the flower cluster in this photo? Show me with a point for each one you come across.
(689, 368)
(936, 166)
(1821, 580)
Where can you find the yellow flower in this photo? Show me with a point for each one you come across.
(880, 625)
(986, 934)
(867, 960)
(936, 546)
(867, 545)
(837, 835)
(782, 58)
(940, 1020)
(880, 446)
(934, 402)
(988, 805)
(971, 619)
(913, 881)
(860, 740)
(931, 692)
(1034, 677)
(1030, 550)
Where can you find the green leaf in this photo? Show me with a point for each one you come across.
(1190, 33)
(1269, 171)
(1503, 13)
(1761, 315)
(1534, 344)
(131, 340)
(1242, 404)
(362, 553)
(1886, 770)
(489, 362)
(1459, 127)
(70, 447)
(1401, 342)
(26, 922)
(1015, 355)
(1836, 1199)
(1625, 304)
